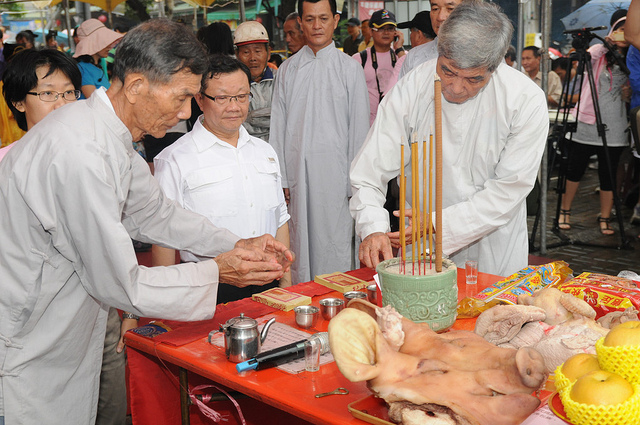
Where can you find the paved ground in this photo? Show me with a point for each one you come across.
(576, 250)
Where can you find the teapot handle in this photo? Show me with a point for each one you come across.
(212, 333)
(265, 329)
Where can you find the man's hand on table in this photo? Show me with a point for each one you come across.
(254, 261)
(373, 247)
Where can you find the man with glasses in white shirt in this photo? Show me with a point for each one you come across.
(221, 172)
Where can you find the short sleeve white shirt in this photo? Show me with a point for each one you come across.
(236, 188)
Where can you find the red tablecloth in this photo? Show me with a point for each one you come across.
(154, 387)
(154, 384)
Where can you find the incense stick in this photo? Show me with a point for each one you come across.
(403, 196)
(417, 218)
(438, 119)
(430, 199)
(414, 158)
(424, 202)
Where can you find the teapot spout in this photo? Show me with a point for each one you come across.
(265, 330)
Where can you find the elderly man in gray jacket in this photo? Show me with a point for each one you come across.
(73, 193)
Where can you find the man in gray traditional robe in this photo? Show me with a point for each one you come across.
(73, 193)
(319, 119)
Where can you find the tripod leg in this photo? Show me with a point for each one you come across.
(624, 243)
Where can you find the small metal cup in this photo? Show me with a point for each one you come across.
(372, 294)
(306, 316)
(352, 295)
(330, 307)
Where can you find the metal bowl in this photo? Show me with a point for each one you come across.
(306, 316)
(372, 294)
(330, 307)
(352, 295)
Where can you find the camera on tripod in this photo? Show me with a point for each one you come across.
(582, 37)
(562, 135)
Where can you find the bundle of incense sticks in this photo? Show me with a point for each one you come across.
(422, 226)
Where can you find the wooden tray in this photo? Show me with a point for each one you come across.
(370, 409)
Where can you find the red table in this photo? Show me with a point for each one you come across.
(154, 364)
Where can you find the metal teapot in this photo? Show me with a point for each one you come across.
(241, 338)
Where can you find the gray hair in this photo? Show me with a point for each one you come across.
(293, 16)
(476, 34)
(158, 49)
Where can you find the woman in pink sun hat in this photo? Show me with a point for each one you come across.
(95, 42)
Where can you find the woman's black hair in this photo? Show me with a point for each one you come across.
(20, 76)
(217, 38)
(620, 52)
(87, 59)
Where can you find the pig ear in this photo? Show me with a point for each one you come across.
(353, 335)
(364, 306)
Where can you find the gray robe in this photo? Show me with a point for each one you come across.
(319, 119)
(73, 193)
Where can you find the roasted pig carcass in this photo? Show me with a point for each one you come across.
(429, 378)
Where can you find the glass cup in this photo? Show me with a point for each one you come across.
(471, 272)
(312, 348)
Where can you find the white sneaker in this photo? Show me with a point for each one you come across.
(635, 218)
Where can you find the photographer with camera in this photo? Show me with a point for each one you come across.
(382, 61)
(612, 94)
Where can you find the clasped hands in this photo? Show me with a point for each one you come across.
(254, 261)
(378, 246)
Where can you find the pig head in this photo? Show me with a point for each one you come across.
(456, 377)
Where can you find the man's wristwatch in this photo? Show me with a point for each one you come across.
(399, 49)
(126, 315)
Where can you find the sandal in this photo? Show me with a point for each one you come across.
(563, 221)
(606, 229)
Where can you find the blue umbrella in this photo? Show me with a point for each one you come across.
(594, 14)
(60, 36)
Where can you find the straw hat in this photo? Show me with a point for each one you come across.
(94, 36)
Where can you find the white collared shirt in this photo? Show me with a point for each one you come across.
(236, 188)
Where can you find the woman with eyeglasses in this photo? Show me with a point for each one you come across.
(37, 82)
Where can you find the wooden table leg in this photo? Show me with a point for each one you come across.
(184, 396)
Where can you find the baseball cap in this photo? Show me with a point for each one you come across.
(353, 22)
(250, 32)
(382, 17)
(421, 21)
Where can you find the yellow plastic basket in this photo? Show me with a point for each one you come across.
(561, 381)
(623, 360)
(627, 413)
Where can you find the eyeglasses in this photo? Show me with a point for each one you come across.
(52, 96)
(223, 100)
(386, 28)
